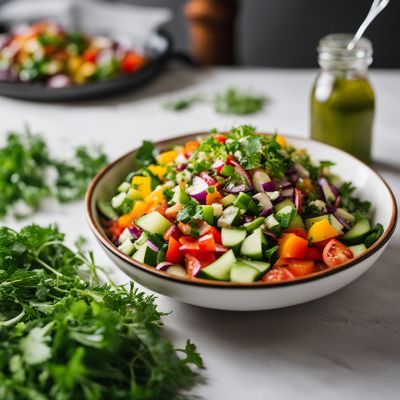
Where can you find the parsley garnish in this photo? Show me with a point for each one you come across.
(145, 154)
(67, 336)
(25, 163)
(359, 208)
(237, 102)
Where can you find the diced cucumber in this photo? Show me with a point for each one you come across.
(180, 196)
(283, 204)
(261, 266)
(146, 255)
(357, 233)
(154, 223)
(243, 273)
(118, 200)
(272, 224)
(273, 195)
(106, 209)
(318, 204)
(232, 237)
(177, 270)
(134, 194)
(208, 214)
(217, 209)
(127, 247)
(296, 222)
(246, 202)
(221, 268)
(228, 200)
(285, 215)
(124, 187)
(230, 216)
(252, 246)
(374, 235)
(341, 212)
(331, 219)
(358, 249)
(143, 238)
(252, 225)
(126, 234)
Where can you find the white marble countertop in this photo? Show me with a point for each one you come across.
(346, 345)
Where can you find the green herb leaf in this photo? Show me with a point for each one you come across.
(145, 154)
(234, 101)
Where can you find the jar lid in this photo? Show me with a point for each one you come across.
(333, 48)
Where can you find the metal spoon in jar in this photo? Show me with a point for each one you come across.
(376, 8)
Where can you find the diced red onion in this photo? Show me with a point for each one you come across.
(326, 190)
(284, 185)
(278, 200)
(152, 246)
(287, 193)
(135, 231)
(337, 202)
(210, 181)
(291, 171)
(260, 179)
(232, 188)
(248, 218)
(181, 167)
(198, 190)
(342, 221)
(266, 212)
(264, 201)
(334, 189)
(59, 81)
(268, 186)
(241, 171)
(302, 171)
(162, 266)
(270, 236)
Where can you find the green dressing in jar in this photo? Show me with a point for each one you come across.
(342, 100)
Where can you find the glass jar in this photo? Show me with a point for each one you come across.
(342, 99)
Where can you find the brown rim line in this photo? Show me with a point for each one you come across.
(103, 239)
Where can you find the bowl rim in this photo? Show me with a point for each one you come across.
(200, 282)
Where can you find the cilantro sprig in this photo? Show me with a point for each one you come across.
(64, 335)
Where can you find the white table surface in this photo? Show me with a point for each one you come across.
(346, 345)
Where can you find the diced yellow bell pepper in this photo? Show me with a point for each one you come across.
(280, 140)
(137, 211)
(322, 230)
(158, 170)
(167, 157)
(156, 196)
(143, 184)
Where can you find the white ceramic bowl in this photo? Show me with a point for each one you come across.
(259, 295)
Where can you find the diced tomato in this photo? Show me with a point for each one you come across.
(207, 243)
(131, 62)
(220, 138)
(193, 265)
(321, 245)
(292, 246)
(172, 231)
(173, 253)
(278, 274)
(301, 267)
(314, 253)
(210, 181)
(217, 235)
(336, 253)
(298, 200)
(229, 159)
(300, 232)
(90, 55)
(114, 230)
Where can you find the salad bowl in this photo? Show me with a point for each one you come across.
(256, 295)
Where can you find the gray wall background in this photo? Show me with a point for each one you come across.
(285, 33)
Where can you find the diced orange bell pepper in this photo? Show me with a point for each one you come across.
(322, 230)
(292, 246)
(154, 197)
(280, 140)
(158, 170)
(137, 211)
(213, 197)
(143, 184)
(191, 146)
(167, 157)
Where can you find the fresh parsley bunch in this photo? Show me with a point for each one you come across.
(25, 164)
(64, 335)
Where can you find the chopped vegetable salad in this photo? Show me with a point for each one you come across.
(45, 52)
(239, 207)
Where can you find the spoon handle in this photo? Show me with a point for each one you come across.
(376, 7)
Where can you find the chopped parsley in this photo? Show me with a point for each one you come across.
(359, 208)
(145, 154)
